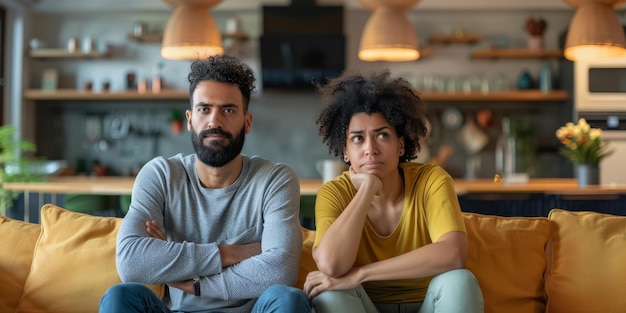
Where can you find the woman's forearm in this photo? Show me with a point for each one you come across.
(444, 255)
(336, 252)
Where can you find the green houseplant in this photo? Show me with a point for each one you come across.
(177, 120)
(11, 156)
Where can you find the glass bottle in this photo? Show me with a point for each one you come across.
(505, 150)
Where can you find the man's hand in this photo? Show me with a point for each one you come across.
(233, 254)
(153, 229)
(185, 285)
(317, 282)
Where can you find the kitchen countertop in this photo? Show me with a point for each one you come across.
(123, 185)
(108, 185)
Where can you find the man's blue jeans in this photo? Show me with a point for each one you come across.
(133, 297)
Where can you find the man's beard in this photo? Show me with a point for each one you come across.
(216, 154)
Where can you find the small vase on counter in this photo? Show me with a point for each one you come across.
(588, 174)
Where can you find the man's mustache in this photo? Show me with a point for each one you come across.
(215, 131)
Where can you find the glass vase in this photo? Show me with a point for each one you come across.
(588, 174)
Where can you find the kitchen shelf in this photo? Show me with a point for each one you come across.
(236, 35)
(158, 37)
(447, 39)
(147, 37)
(425, 53)
(72, 94)
(512, 95)
(516, 54)
(64, 54)
(171, 94)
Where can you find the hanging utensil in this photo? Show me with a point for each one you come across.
(119, 127)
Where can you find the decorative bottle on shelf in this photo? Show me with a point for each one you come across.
(525, 81)
(505, 151)
(545, 77)
(142, 86)
(156, 78)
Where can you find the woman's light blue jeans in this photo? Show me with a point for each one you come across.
(450, 292)
(133, 297)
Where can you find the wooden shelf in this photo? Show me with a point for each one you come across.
(158, 37)
(236, 35)
(170, 94)
(425, 53)
(147, 37)
(516, 54)
(64, 54)
(71, 94)
(448, 39)
(512, 95)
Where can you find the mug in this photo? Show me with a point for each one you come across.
(330, 168)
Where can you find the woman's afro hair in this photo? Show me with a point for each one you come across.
(353, 93)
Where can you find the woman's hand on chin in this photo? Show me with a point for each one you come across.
(364, 179)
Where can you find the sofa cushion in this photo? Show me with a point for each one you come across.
(588, 263)
(507, 256)
(307, 264)
(16, 247)
(73, 263)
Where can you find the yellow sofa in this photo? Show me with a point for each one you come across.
(568, 262)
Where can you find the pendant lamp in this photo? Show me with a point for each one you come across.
(595, 31)
(388, 35)
(191, 33)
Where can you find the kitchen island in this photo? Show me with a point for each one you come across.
(476, 189)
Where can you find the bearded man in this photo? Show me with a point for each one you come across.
(221, 229)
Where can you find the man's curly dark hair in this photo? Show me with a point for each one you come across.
(225, 69)
(353, 93)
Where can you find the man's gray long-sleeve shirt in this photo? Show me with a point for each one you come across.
(262, 205)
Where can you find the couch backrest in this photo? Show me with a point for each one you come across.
(73, 262)
(586, 263)
(507, 256)
(17, 244)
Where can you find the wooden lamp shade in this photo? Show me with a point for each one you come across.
(388, 35)
(595, 32)
(191, 33)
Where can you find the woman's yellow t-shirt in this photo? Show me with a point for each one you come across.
(430, 210)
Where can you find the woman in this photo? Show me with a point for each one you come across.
(390, 236)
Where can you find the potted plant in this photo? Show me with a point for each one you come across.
(584, 147)
(14, 165)
(535, 27)
(177, 121)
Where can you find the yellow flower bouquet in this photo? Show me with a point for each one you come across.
(582, 144)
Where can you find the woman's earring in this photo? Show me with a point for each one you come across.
(345, 158)
(401, 151)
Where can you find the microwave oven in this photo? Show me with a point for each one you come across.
(600, 85)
